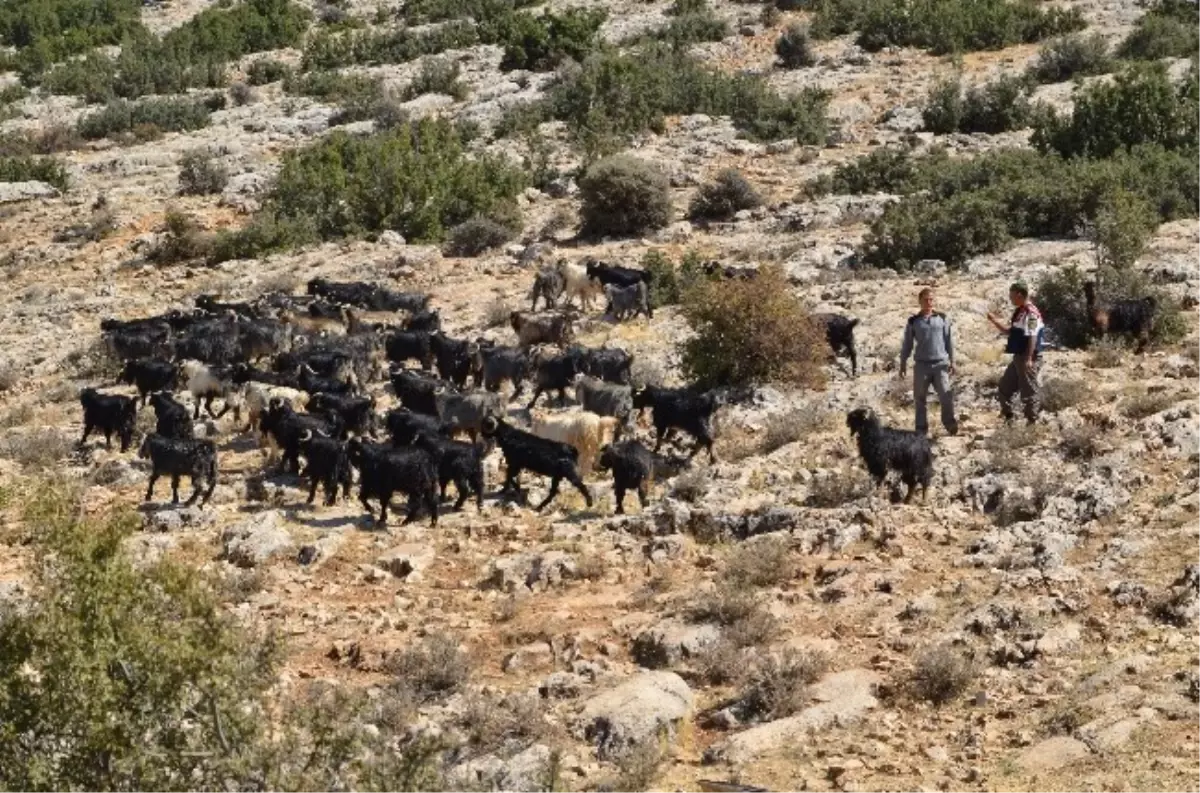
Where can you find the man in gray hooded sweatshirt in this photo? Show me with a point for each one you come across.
(927, 337)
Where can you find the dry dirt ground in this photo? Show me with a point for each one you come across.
(1078, 684)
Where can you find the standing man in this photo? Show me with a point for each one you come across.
(929, 332)
(1025, 331)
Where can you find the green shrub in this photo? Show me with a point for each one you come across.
(200, 174)
(723, 197)
(623, 196)
(1072, 56)
(420, 12)
(92, 77)
(477, 235)
(1122, 228)
(46, 31)
(794, 49)
(438, 76)
(953, 230)
(1061, 300)
(940, 674)
(943, 109)
(541, 42)
(267, 70)
(264, 234)
(943, 26)
(1140, 106)
(1168, 29)
(161, 115)
(998, 106)
(334, 50)
(692, 22)
(749, 333)
(415, 179)
(888, 169)
(182, 239)
(615, 96)
(34, 169)
(331, 85)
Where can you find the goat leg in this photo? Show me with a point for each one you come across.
(174, 488)
(549, 496)
(150, 486)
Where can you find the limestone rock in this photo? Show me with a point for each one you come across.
(1052, 753)
(634, 712)
(256, 540)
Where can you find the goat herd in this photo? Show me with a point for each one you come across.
(298, 368)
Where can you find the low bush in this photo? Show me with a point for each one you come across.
(998, 106)
(437, 76)
(267, 70)
(1081, 443)
(615, 95)
(723, 197)
(745, 622)
(37, 169)
(241, 94)
(692, 22)
(690, 486)
(623, 196)
(497, 313)
(477, 235)
(415, 179)
(1008, 447)
(836, 488)
(953, 230)
(940, 674)
(795, 425)
(1059, 393)
(92, 77)
(540, 42)
(1072, 56)
(1168, 29)
(794, 49)
(432, 670)
(763, 562)
(147, 117)
(334, 50)
(201, 174)
(749, 333)
(1144, 405)
(1123, 225)
(887, 169)
(41, 448)
(265, 233)
(777, 684)
(181, 239)
(46, 31)
(1140, 106)
(1061, 300)
(943, 26)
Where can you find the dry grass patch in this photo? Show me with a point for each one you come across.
(762, 562)
(777, 683)
(1081, 443)
(1008, 446)
(940, 674)
(1060, 393)
(39, 448)
(1142, 406)
(835, 488)
(432, 670)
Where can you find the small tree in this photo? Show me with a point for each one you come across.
(1124, 223)
(751, 332)
(943, 109)
(200, 174)
(794, 47)
(624, 196)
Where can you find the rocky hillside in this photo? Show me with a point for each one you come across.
(769, 619)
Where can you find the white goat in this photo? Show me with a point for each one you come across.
(206, 384)
(577, 283)
(587, 432)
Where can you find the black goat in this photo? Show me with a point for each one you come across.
(680, 408)
(150, 374)
(355, 414)
(313, 383)
(839, 332)
(1134, 317)
(410, 345)
(455, 357)
(327, 463)
(139, 341)
(416, 391)
(548, 284)
(615, 274)
(242, 373)
(385, 470)
(634, 467)
(176, 458)
(171, 417)
(555, 373)
(405, 425)
(494, 365)
(526, 451)
(461, 463)
(609, 364)
(367, 296)
(425, 319)
(285, 427)
(109, 413)
(884, 448)
(210, 304)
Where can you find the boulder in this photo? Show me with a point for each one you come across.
(842, 698)
(670, 642)
(256, 540)
(163, 520)
(639, 710)
(11, 192)
(407, 561)
(1052, 753)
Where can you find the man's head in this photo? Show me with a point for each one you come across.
(1018, 293)
(925, 298)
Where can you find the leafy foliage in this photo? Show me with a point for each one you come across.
(146, 118)
(415, 179)
(438, 76)
(693, 21)
(943, 26)
(998, 106)
(200, 174)
(267, 70)
(37, 169)
(477, 236)
(669, 283)
(1072, 56)
(334, 50)
(1141, 105)
(726, 195)
(750, 332)
(1168, 29)
(541, 42)
(46, 31)
(624, 196)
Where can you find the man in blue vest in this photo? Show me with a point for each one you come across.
(927, 337)
(1025, 331)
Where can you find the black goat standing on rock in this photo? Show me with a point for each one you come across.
(884, 448)
(634, 467)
